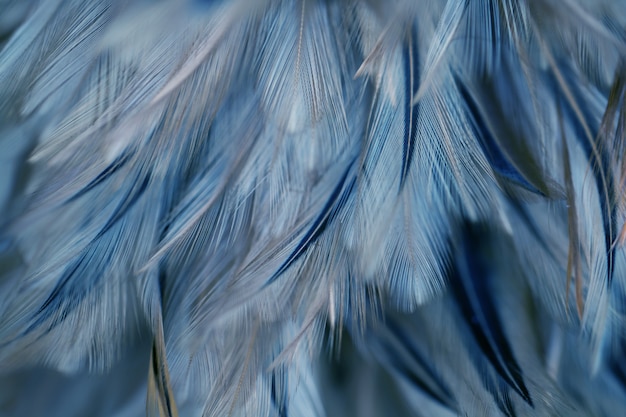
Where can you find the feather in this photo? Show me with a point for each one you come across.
(313, 208)
(470, 285)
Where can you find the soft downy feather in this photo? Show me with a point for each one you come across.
(232, 192)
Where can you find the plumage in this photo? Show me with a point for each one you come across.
(312, 208)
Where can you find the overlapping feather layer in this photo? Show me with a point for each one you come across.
(223, 191)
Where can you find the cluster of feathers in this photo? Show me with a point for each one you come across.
(312, 208)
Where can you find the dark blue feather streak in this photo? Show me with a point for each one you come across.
(470, 284)
(498, 161)
(333, 205)
(102, 176)
(424, 377)
(85, 272)
(412, 82)
(279, 399)
(500, 392)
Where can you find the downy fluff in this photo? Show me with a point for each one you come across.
(312, 208)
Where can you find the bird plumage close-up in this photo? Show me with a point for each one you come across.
(312, 208)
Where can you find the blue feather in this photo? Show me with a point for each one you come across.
(218, 190)
(470, 283)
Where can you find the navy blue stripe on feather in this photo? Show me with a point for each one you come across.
(126, 204)
(103, 176)
(433, 386)
(411, 114)
(489, 145)
(470, 285)
(334, 204)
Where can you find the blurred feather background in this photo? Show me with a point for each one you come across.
(312, 208)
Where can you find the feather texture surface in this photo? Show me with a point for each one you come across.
(312, 208)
